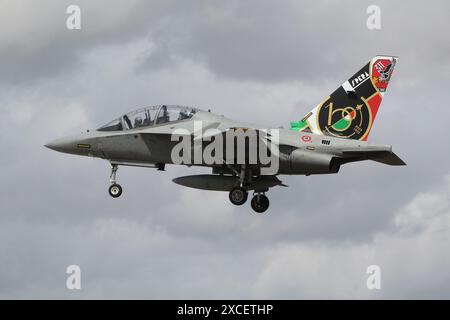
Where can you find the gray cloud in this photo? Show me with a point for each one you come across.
(276, 41)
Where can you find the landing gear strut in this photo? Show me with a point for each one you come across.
(260, 203)
(238, 195)
(115, 190)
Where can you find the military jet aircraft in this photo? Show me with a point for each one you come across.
(334, 133)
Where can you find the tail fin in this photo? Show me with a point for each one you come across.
(349, 112)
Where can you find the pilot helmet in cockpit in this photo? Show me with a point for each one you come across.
(138, 122)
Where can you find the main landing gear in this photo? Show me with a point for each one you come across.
(239, 194)
(115, 190)
(260, 203)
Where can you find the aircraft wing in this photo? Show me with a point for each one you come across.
(238, 129)
(385, 156)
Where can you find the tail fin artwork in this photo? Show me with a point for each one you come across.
(349, 112)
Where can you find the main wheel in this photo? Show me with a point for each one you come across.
(260, 205)
(238, 196)
(115, 190)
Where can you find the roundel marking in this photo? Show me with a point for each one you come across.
(306, 138)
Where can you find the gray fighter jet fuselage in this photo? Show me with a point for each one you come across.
(331, 135)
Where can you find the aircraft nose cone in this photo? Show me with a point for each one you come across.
(67, 145)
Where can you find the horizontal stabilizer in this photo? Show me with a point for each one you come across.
(382, 154)
(392, 160)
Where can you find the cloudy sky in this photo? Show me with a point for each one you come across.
(267, 62)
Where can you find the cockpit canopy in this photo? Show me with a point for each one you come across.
(149, 116)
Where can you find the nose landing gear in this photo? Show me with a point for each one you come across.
(115, 190)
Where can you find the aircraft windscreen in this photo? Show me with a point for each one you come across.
(115, 125)
(174, 113)
(149, 116)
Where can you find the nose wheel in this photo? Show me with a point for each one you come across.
(115, 190)
(260, 203)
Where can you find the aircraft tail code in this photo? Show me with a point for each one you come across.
(349, 112)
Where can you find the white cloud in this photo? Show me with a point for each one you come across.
(414, 256)
(124, 258)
